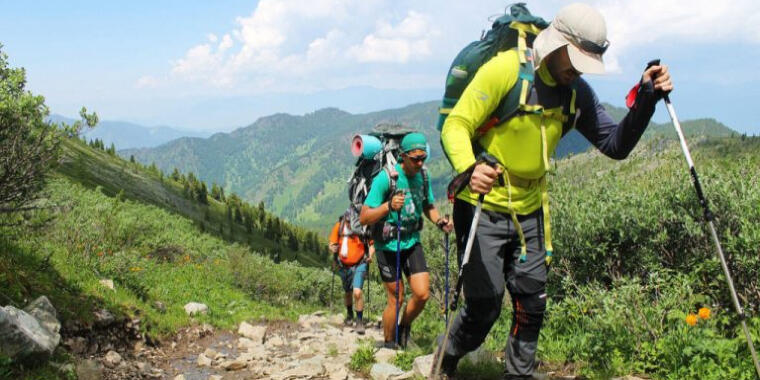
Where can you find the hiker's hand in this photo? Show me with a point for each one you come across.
(334, 248)
(445, 225)
(371, 254)
(483, 178)
(661, 77)
(397, 202)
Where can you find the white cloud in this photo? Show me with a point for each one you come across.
(633, 24)
(409, 40)
(289, 45)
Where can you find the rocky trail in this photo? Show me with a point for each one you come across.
(317, 346)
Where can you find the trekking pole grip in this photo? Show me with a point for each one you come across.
(656, 62)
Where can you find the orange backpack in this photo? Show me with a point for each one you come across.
(351, 248)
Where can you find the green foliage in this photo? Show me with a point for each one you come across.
(405, 359)
(363, 358)
(29, 145)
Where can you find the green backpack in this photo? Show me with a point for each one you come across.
(516, 30)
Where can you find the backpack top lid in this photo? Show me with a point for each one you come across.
(520, 13)
(391, 130)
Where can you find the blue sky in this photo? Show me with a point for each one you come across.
(219, 65)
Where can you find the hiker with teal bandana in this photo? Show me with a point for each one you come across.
(404, 192)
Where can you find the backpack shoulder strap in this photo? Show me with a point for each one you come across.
(392, 179)
(425, 186)
(516, 99)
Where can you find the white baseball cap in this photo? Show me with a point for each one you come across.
(582, 29)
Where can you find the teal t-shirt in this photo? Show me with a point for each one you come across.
(411, 213)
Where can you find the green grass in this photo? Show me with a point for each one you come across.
(94, 168)
(363, 358)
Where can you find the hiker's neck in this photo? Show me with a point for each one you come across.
(407, 170)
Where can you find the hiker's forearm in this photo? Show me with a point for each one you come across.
(617, 140)
(373, 215)
(432, 214)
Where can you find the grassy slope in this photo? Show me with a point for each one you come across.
(94, 168)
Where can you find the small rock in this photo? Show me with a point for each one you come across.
(143, 368)
(159, 306)
(307, 369)
(103, 318)
(112, 359)
(194, 308)
(384, 371)
(254, 333)
(179, 377)
(214, 377)
(385, 355)
(233, 365)
(89, 370)
(246, 343)
(107, 284)
(423, 365)
(275, 341)
(205, 330)
(210, 352)
(204, 361)
(77, 345)
(341, 374)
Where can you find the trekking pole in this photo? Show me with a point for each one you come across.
(332, 285)
(465, 259)
(398, 269)
(709, 217)
(446, 271)
(369, 279)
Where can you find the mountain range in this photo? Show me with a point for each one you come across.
(299, 165)
(125, 135)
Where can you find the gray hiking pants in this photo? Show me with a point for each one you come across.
(495, 264)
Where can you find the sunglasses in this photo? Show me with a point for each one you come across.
(587, 45)
(417, 158)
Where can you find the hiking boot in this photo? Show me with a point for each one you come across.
(390, 345)
(359, 327)
(403, 335)
(349, 321)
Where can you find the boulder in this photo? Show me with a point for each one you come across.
(423, 365)
(31, 334)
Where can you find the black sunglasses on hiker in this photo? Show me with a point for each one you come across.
(587, 45)
(417, 159)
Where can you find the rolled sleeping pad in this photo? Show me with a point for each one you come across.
(366, 146)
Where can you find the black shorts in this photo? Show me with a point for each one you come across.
(412, 261)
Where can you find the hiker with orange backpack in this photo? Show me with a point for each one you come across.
(395, 204)
(351, 255)
(511, 111)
